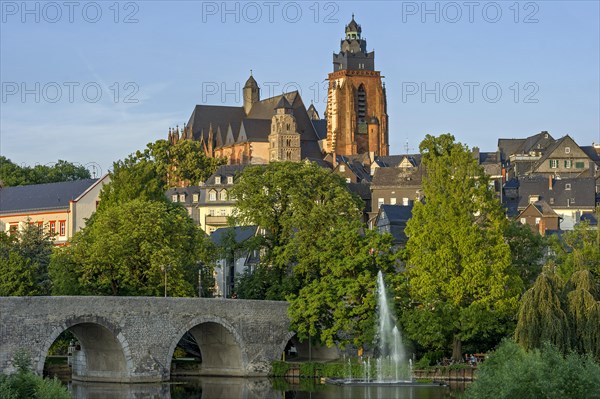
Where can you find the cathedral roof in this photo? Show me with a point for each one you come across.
(257, 124)
(283, 103)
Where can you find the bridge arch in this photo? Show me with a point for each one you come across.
(104, 354)
(221, 346)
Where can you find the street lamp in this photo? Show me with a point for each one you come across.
(164, 270)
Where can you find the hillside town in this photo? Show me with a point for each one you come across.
(313, 214)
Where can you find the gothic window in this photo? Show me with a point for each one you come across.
(288, 142)
(361, 104)
(287, 127)
(289, 155)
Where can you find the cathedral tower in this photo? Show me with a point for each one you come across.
(284, 139)
(251, 93)
(356, 112)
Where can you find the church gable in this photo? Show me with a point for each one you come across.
(242, 136)
(229, 137)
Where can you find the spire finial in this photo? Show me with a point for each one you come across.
(251, 72)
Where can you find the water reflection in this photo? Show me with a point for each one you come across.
(247, 388)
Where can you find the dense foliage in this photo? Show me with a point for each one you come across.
(12, 174)
(512, 372)
(126, 249)
(149, 173)
(24, 259)
(26, 385)
(296, 204)
(461, 282)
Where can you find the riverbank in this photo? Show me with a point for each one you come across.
(352, 369)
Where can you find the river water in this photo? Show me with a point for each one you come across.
(249, 388)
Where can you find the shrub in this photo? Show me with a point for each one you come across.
(511, 372)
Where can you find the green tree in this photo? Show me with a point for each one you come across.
(577, 249)
(127, 248)
(149, 173)
(526, 249)
(338, 305)
(460, 277)
(24, 259)
(567, 315)
(294, 203)
(511, 372)
(15, 175)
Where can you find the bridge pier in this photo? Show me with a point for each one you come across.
(132, 339)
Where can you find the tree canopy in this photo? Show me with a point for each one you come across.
(460, 277)
(149, 173)
(127, 250)
(295, 204)
(24, 259)
(12, 174)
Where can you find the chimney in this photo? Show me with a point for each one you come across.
(334, 160)
(550, 182)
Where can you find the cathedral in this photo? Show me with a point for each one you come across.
(281, 128)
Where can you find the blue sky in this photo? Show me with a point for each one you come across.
(95, 81)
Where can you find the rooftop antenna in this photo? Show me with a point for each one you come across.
(406, 147)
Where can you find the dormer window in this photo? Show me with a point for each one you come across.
(229, 179)
(223, 195)
(174, 198)
(217, 179)
(195, 197)
(212, 195)
(181, 197)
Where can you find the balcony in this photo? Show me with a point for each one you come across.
(216, 220)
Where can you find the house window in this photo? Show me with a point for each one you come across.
(405, 201)
(229, 179)
(568, 186)
(348, 180)
(212, 196)
(52, 228)
(217, 179)
(62, 228)
(211, 212)
(537, 221)
(579, 165)
(223, 212)
(523, 220)
(551, 200)
(195, 197)
(567, 150)
(181, 197)
(223, 195)
(554, 163)
(13, 228)
(174, 198)
(393, 201)
(380, 201)
(568, 163)
(342, 168)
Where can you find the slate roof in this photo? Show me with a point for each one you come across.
(223, 171)
(544, 209)
(582, 193)
(39, 197)
(396, 214)
(592, 152)
(538, 142)
(320, 126)
(189, 194)
(219, 117)
(241, 234)
(386, 177)
(356, 166)
(394, 160)
(590, 218)
(363, 190)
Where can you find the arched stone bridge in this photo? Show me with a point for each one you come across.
(132, 339)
